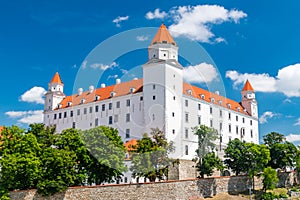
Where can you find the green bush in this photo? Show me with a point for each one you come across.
(283, 195)
(268, 196)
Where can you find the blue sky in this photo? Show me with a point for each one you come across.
(255, 40)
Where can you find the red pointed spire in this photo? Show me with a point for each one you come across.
(248, 86)
(163, 36)
(56, 79)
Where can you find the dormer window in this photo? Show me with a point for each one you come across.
(69, 103)
(190, 92)
(202, 96)
(239, 109)
(112, 94)
(97, 98)
(213, 100)
(82, 101)
(220, 102)
(229, 106)
(132, 90)
(59, 105)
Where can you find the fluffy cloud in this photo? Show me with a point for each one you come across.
(286, 81)
(195, 22)
(119, 19)
(34, 95)
(27, 117)
(265, 116)
(293, 137)
(103, 66)
(156, 14)
(297, 122)
(142, 38)
(200, 73)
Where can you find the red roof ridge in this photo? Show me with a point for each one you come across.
(248, 86)
(163, 36)
(56, 79)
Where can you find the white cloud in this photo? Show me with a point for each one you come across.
(220, 39)
(195, 22)
(34, 95)
(103, 66)
(156, 14)
(27, 117)
(286, 81)
(297, 122)
(142, 38)
(200, 73)
(267, 115)
(293, 137)
(119, 19)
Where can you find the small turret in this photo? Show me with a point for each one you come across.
(248, 99)
(55, 93)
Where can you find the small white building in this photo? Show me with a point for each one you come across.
(161, 99)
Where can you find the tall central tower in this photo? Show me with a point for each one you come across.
(162, 88)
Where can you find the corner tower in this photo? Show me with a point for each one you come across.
(55, 93)
(162, 87)
(248, 100)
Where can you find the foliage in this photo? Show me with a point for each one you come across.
(209, 163)
(151, 157)
(283, 153)
(268, 196)
(270, 178)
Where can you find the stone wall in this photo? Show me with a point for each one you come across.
(182, 189)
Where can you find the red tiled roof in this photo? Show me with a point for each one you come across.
(56, 79)
(163, 36)
(104, 93)
(209, 97)
(248, 86)
(129, 145)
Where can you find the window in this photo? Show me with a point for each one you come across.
(78, 111)
(96, 108)
(71, 113)
(84, 111)
(153, 86)
(251, 133)
(96, 122)
(229, 128)
(65, 114)
(55, 116)
(153, 97)
(229, 116)
(199, 106)
(236, 118)
(221, 113)
(237, 130)
(109, 106)
(125, 180)
(118, 104)
(173, 131)
(74, 125)
(103, 107)
(186, 133)
(199, 120)
(173, 114)
(186, 117)
(91, 109)
(141, 98)
(116, 118)
(221, 126)
(110, 120)
(210, 110)
(211, 123)
(153, 117)
(186, 150)
(128, 102)
(243, 120)
(186, 103)
(59, 115)
(251, 122)
(128, 117)
(174, 98)
(127, 135)
(202, 96)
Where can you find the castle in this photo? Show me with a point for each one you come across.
(161, 99)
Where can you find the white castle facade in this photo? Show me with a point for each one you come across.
(161, 99)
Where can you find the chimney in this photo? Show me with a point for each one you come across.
(118, 81)
(80, 90)
(102, 85)
(91, 89)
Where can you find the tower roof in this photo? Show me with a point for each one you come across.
(163, 36)
(56, 79)
(248, 86)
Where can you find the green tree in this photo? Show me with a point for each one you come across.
(270, 179)
(206, 140)
(273, 138)
(151, 157)
(209, 163)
